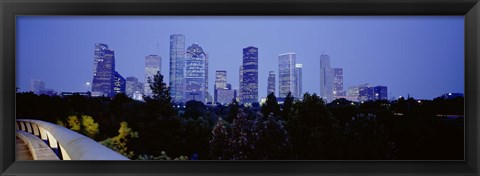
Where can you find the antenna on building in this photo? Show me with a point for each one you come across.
(158, 48)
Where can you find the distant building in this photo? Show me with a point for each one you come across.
(220, 83)
(249, 72)
(37, 86)
(196, 74)
(326, 79)
(87, 94)
(240, 83)
(153, 65)
(225, 96)
(298, 81)
(271, 83)
(365, 93)
(132, 86)
(380, 93)
(119, 83)
(104, 71)
(338, 82)
(49, 92)
(177, 67)
(286, 74)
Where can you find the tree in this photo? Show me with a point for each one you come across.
(240, 143)
(119, 143)
(160, 95)
(271, 106)
(86, 125)
(273, 140)
(219, 142)
(287, 107)
(315, 133)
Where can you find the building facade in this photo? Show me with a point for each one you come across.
(196, 74)
(153, 65)
(298, 81)
(104, 73)
(338, 82)
(37, 86)
(220, 83)
(119, 84)
(249, 84)
(326, 79)
(286, 74)
(380, 93)
(271, 83)
(177, 67)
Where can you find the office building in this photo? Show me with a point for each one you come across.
(286, 74)
(250, 75)
(153, 65)
(298, 81)
(338, 83)
(104, 72)
(220, 82)
(119, 84)
(196, 74)
(177, 66)
(37, 86)
(271, 83)
(326, 79)
(380, 93)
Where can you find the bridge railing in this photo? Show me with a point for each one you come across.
(67, 144)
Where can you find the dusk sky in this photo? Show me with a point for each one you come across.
(418, 55)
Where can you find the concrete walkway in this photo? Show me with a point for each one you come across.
(21, 150)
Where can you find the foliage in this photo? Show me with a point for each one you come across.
(271, 106)
(119, 142)
(219, 141)
(86, 125)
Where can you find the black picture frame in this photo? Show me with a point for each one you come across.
(11, 8)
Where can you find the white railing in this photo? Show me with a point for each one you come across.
(68, 144)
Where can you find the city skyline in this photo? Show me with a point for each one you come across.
(353, 74)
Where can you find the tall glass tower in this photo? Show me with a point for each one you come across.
(250, 75)
(338, 82)
(153, 63)
(104, 72)
(177, 66)
(326, 78)
(220, 82)
(271, 83)
(286, 75)
(195, 74)
(298, 80)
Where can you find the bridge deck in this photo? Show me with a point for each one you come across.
(22, 150)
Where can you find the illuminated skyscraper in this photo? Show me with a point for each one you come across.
(177, 66)
(220, 82)
(286, 75)
(119, 83)
(196, 74)
(250, 75)
(133, 86)
(380, 93)
(326, 78)
(104, 73)
(153, 63)
(271, 83)
(338, 82)
(298, 80)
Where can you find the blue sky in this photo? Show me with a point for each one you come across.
(418, 55)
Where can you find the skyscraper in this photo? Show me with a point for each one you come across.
(366, 93)
(286, 75)
(298, 81)
(177, 66)
(271, 83)
(37, 86)
(250, 75)
(240, 84)
(220, 82)
(104, 72)
(380, 92)
(326, 78)
(119, 83)
(338, 82)
(131, 86)
(153, 63)
(196, 74)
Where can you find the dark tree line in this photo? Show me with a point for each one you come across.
(297, 129)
